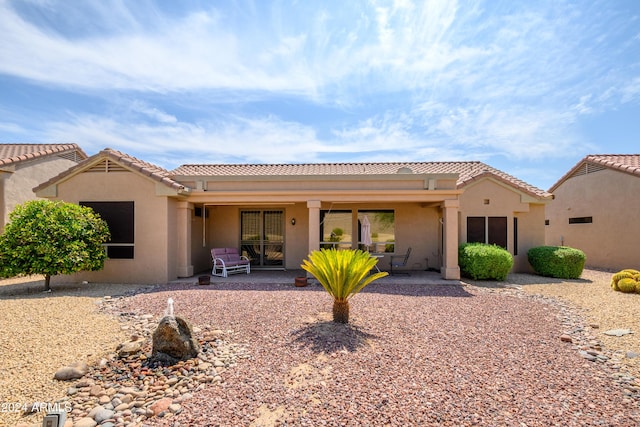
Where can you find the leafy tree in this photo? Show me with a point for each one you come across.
(342, 273)
(50, 238)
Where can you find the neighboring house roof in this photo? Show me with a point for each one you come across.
(16, 153)
(468, 172)
(150, 170)
(627, 163)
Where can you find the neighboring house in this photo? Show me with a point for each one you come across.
(164, 223)
(595, 209)
(23, 166)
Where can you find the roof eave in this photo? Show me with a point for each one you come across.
(178, 188)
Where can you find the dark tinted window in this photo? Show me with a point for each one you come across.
(119, 216)
(498, 231)
(476, 229)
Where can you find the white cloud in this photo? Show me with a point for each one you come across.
(418, 80)
(11, 128)
(152, 112)
(232, 139)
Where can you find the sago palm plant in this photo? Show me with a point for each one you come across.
(342, 273)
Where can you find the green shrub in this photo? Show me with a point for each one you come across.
(557, 261)
(481, 261)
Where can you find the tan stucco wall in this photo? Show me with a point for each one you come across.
(154, 223)
(504, 201)
(610, 198)
(17, 185)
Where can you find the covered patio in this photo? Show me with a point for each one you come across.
(287, 277)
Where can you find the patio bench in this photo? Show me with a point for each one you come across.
(228, 260)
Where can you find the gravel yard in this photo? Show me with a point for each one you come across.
(477, 354)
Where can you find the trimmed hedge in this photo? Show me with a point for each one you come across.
(561, 262)
(482, 261)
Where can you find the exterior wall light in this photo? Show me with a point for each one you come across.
(293, 221)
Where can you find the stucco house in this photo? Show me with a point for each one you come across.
(23, 166)
(165, 223)
(595, 209)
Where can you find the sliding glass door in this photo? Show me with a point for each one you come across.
(262, 237)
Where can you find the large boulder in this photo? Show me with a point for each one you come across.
(173, 341)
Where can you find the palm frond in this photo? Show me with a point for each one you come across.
(342, 273)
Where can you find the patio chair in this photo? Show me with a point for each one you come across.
(399, 261)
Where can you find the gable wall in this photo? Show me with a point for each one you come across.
(610, 198)
(17, 186)
(504, 201)
(154, 222)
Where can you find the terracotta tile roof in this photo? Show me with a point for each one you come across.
(15, 153)
(148, 169)
(468, 172)
(624, 162)
(628, 163)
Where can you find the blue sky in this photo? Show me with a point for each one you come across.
(527, 87)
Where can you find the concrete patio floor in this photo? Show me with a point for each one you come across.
(288, 276)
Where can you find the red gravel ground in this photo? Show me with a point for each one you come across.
(423, 355)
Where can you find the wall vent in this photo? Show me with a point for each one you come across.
(106, 166)
(71, 155)
(587, 168)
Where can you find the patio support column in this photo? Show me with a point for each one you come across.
(183, 239)
(314, 224)
(450, 270)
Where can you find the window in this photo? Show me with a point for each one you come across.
(476, 230)
(497, 231)
(491, 230)
(382, 230)
(262, 237)
(581, 220)
(336, 229)
(515, 236)
(119, 216)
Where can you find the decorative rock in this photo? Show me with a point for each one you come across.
(129, 348)
(103, 415)
(175, 408)
(95, 410)
(95, 390)
(631, 355)
(121, 407)
(85, 422)
(160, 406)
(74, 371)
(587, 356)
(618, 332)
(173, 341)
(566, 338)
